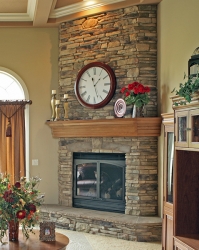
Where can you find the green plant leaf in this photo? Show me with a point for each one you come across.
(187, 89)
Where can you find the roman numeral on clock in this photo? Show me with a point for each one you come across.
(84, 93)
(87, 100)
(94, 100)
(94, 71)
(107, 83)
(88, 73)
(105, 91)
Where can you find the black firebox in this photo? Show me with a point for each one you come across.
(99, 181)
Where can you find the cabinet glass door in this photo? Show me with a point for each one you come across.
(170, 155)
(181, 129)
(182, 125)
(194, 131)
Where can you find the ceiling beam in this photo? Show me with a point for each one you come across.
(39, 11)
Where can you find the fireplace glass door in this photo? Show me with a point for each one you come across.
(99, 182)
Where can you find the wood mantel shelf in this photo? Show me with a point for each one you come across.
(118, 127)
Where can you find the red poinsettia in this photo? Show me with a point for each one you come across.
(21, 214)
(17, 184)
(136, 93)
(8, 196)
(31, 207)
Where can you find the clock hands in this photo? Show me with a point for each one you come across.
(94, 87)
(96, 92)
(97, 82)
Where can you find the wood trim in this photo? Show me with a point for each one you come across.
(168, 118)
(194, 101)
(127, 127)
(187, 242)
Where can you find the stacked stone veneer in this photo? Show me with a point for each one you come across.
(126, 40)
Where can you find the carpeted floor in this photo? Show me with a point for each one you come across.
(85, 241)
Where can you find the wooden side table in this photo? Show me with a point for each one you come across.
(33, 243)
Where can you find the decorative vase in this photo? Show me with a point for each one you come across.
(138, 111)
(134, 111)
(13, 228)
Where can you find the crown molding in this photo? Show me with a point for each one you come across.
(15, 17)
(78, 7)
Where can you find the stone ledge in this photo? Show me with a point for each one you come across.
(121, 226)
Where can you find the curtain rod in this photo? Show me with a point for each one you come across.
(15, 102)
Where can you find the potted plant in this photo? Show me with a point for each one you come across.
(18, 206)
(187, 89)
(136, 94)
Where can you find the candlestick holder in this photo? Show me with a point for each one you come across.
(53, 98)
(57, 112)
(65, 109)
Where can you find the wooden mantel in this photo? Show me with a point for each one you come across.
(125, 127)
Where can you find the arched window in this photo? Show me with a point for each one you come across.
(12, 87)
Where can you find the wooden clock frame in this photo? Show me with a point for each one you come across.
(111, 74)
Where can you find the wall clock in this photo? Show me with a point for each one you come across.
(95, 85)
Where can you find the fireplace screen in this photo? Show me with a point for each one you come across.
(99, 181)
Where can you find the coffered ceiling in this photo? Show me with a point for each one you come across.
(49, 13)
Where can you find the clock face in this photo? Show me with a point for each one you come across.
(95, 85)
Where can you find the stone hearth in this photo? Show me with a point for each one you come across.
(126, 227)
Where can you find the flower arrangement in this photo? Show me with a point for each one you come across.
(136, 94)
(19, 202)
(187, 89)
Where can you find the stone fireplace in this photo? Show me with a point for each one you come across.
(126, 40)
(140, 173)
(139, 222)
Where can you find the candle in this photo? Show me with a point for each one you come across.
(65, 96)
(54, 92)
(57, 102)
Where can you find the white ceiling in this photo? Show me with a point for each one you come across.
(49, 13)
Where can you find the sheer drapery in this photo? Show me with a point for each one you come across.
(12, 149)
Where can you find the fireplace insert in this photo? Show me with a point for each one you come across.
(99, 181)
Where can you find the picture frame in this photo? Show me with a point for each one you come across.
(47, 231)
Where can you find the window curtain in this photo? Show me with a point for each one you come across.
(12, 149)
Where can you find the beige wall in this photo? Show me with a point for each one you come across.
(33, 55)
(178, 37)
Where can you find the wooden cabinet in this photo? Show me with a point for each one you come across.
(186, 177)
(184, 243)
(167, 227)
